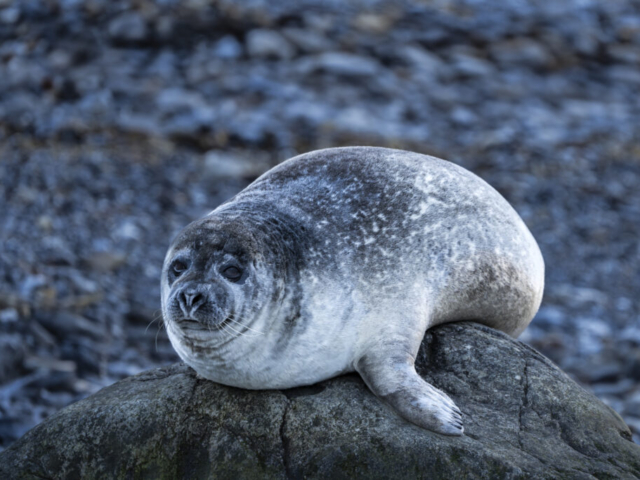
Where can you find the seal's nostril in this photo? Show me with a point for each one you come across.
(191, 300)
(195, 299)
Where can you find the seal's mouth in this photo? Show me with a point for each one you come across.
(190, 324)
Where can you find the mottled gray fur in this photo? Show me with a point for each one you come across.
(348, 255)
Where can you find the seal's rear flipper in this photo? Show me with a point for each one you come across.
(396, 382)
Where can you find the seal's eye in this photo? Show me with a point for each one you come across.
(232, 273)
(178, 268)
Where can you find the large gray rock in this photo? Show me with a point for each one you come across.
(524, 418)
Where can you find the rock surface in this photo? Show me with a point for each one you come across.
(524, 418)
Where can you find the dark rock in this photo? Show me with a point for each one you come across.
(524, 418)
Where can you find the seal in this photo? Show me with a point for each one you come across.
(339, 260)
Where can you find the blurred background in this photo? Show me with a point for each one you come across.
(123, 120)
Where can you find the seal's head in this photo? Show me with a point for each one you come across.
(230, 286)
(213, 282)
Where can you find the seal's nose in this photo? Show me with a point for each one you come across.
(190, 300)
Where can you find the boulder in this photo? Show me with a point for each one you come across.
(524, 418)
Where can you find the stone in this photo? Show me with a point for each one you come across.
(522, 51)
(9, 15)
(128, 27)
(9, 315)
(421, 59)
(524, 418)
(12, 352)
(172, 100)
(374, 23)
(471, 66)
(307, 40)
(625, 53)
(263, 43)
(105, 261)
(625, 74)
(463, 116)
(67, 324)
(227, 48)
(339, 63)
(219, 164)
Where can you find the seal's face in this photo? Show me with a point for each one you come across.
(208, 281)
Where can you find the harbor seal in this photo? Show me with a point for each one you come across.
(339, 260)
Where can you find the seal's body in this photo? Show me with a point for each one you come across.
(340, 260)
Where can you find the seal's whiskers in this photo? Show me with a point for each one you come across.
(233, 319)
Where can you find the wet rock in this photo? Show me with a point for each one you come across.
(523, 417)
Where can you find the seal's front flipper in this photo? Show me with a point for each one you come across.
(396, 382)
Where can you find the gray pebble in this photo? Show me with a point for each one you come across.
(338, 63)
(128, 27)
(227, 48)
(262, 43)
